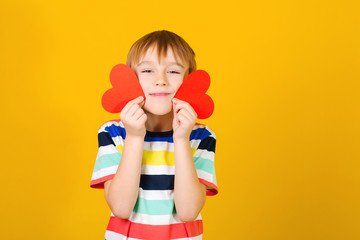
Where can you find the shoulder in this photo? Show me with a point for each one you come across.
(203, 138)
(110, 124)
(113, 127)
(201, 131)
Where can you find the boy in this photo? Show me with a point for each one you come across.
(155, 179)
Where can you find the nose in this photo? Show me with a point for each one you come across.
(161, 80)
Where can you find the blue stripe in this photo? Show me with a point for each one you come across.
(159, 139)
(160, 134)
(157, 182)
(105, 139)
(200, 133)
(196, 134)
(208, 144)
(116, 131)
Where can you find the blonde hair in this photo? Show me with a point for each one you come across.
(162, 40)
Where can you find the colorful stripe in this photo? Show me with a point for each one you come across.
(156, 195)
(204, 164)
(105, 139)
(155, 219)
(115, 129)
(107, 160)
(155, 207)
(117, 236)
(155, 232)
(157, 170)
(157, 182)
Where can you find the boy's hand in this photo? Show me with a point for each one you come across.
(184, 119)
(133, 117)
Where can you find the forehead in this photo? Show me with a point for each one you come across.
(164, 55)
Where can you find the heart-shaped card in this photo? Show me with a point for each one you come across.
(193, 90)
(126, 87)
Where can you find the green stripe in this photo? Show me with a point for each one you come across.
(107, 160)
(204, 164)
(155, 207)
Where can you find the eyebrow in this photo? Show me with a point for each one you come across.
(170, 63)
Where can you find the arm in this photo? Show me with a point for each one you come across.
(121, 192)
(189, 193)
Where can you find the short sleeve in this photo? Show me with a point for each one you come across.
(110, 138)
(204, 158)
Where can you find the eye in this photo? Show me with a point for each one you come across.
(174, 72)
(146, 71)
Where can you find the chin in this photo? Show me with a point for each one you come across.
(159, 110)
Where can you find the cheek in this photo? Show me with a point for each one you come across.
(177, 86)
(144, 85)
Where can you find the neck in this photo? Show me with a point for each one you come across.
(159, 123)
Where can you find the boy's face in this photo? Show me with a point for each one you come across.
(160, 80)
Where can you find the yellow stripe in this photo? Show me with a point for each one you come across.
(120, 148)
(157, 158)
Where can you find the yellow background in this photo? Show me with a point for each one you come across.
(285, 80)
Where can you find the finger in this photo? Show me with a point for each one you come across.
(185, 112)
(131, 103)
(176, 122)
(187, 106)
(176, 100)
(178, 106)
(138, 113)
(181, 119)
(142, 103)
(191, 110)
(138, 100)
(175, 109)
(143, 118)
(132, 110)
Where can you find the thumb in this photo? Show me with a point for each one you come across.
(139, 100)
(142, 103)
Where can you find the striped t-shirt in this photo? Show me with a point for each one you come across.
(154, 215)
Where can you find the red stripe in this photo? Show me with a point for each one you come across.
(155, 232)
(114, 120)
(99, 183)
(209, 192)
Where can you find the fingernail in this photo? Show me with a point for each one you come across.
(141, 97)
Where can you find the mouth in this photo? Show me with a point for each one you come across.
(160, 94)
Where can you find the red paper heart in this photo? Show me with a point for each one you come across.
(126, 87)
(193, 90)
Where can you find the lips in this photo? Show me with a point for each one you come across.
(159, 94)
